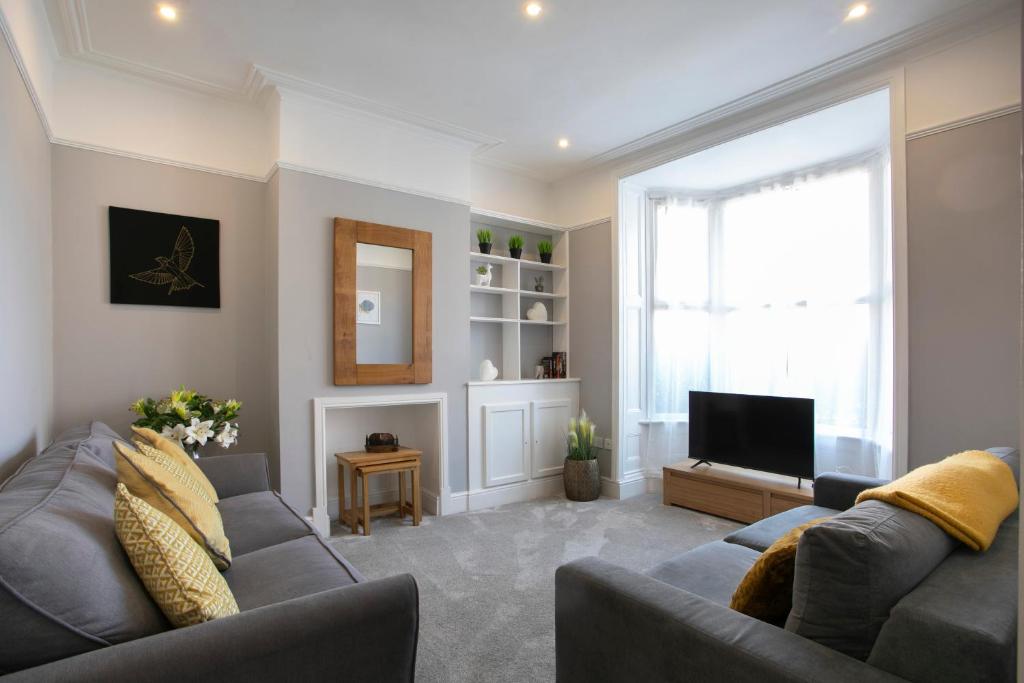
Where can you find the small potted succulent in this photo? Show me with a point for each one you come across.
(581, 474)
(515, 246)
(484, 237)
(545, 248)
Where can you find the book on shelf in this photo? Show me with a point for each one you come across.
(560, 365)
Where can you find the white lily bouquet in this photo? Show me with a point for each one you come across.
(580, 439)
(190, 418)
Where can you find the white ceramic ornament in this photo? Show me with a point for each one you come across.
(538, 312)
(487, 371)
(484, 279)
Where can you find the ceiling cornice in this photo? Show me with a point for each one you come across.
(980, 17)
(261, 78)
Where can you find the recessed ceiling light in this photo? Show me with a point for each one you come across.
(857, 11)
(563, 143)
(168, 12)
(533, 9)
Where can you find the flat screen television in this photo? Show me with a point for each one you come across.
(768, 433)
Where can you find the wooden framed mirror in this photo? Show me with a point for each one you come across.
(382, 304)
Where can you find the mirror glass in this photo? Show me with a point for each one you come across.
(383, 304)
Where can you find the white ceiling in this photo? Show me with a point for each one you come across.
(600, 72)
(842, 131)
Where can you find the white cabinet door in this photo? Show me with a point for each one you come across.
(550, 421)
(506, 443)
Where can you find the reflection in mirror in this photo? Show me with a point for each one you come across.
(383, 304)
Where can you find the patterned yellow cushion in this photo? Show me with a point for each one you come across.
(766, 591)
(177, 573)
(175, 469)
(160, 487)
(173, 450)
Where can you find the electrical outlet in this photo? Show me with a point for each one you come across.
(607, 444)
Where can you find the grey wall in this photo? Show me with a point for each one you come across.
(108, 355)
(590, 320)
(964, 216)
(391, 341)
(307, 206)
(26, 292)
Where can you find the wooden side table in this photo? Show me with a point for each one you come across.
(363, 465)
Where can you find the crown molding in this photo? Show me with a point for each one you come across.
(966, 121)
(978, 18)
(19, 62)
(261, 78)
(76, 44)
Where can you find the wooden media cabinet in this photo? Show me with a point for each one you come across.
(731, 492)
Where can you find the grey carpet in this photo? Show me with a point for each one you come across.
(487, 579)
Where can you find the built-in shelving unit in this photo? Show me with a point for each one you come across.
(499, 328)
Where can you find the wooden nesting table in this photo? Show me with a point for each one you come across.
(363, 465)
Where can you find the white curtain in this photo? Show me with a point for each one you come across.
(781, 289)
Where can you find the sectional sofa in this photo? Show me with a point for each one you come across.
(73, 608)
(879, 594)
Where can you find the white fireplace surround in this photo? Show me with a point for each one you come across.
(321, 406)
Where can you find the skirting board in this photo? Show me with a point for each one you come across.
(469, 501)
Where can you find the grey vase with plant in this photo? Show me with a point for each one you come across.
(581, 474)
(515, 246)
(485, 239)
(545, 249)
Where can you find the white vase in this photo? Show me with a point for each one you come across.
(484, 279)
(487, 371)
(537, 312)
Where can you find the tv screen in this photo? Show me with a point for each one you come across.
(768, 433)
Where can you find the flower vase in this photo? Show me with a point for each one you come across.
(192, 450)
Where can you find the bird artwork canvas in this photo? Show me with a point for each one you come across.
(163, 259)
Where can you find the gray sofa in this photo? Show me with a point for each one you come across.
(73, 609)
(879, 594)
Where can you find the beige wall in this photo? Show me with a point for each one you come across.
(108, 355)
(590, 316)
(26, 294)
(307, 206)
(964, 216)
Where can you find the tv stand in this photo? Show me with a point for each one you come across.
(731, 492)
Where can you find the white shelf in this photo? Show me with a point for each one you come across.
(527, 294)
(526, 264)
(542, 322)
(510, 222)
(551, 380)
(483, 319)
(492, 290)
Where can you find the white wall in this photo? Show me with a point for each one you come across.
(505, 191)
(26, 270)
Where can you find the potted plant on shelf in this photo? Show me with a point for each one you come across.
(483, 275)
(190, 418)
(484, 237)
(545, 248)
(581, 474)
(515, 246)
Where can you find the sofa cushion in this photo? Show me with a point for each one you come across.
(960, 623)
(288, 570)
(175, 452)
(852, 569)
(66, 586)
(160, 487)
(258, 520)
(711, 571)
(760, 535)
(176, 571)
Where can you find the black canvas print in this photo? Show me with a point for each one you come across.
(160, 259)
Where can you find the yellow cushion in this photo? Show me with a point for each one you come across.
(172, 449)
(175, 468)
(179, 576)
(766, 592)
(160, 487)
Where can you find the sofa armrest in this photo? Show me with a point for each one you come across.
(613, 624)
(233, 475)
(362, 632)
(839, 491)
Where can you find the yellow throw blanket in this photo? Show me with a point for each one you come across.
(968, 495)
